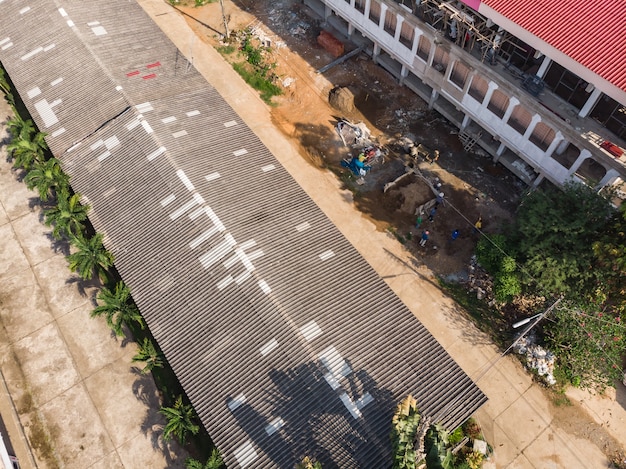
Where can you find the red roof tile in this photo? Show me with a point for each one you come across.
(593, 33)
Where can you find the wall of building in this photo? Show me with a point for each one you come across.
(515, 129)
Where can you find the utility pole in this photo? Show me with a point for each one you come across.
(538, 317)
(224, 19)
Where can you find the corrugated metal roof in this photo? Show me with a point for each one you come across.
(246, 285)
(591, 33)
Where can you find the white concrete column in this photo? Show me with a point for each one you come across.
(353, 4)
(376, 52)
(562, 147)
(492, 87)
(350, 29)
(538, 180)
(468, 82)
(328, 11)
(591, 102)
(467, 120)
(416, 41)
(404, 72)
(431, 53)
(399, 21)
(513, 101)
(500, 149)
(558, 138)
(584, 154)
(543, 68)
(383, 15)
(433, 97)
(611, 177)
(533, 123)
(448, 70)
(368, 5)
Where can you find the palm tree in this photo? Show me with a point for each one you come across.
(18, 126)
(26, 149)
(47, 177)
(215, 461)
(149, 354)
(91, 257)
(118, 308)
(180, 421)
(5, 88)
(68, 216)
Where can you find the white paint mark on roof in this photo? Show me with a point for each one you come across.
(32, 52)
(241, 152)
(351, 406)
(267, 168)
(242, 277)
(104, 156)
(198, 198)
(310, 331)
(180, 133)
(334, 363)
(184, 179)
(70, 23)
(196, 213)
(255, 254)
(63, 12)
(214, 218)
(364, 400)
(274, 426)
(93, 23)
(118, 88)
(303, 226)
(131, 125)
(327, 254)
(58, 132)
(99, 31)
(265, 287)
(245, 454)
(146, 127)
(169, 119)
(111, 142)
(5, 40)
(177, 213)
(212, 176)
(47, 114)
(230, 123)
(144, 107)
(34, 92)
(49, 47)
(24, 10)
(155, 153)
(236, 402)
(193, 113)
(267, 348)
(56, 82)
(225, 282)
(7, 45)
(218, 252)
(198, 240)
(168, 200)
(97, 144)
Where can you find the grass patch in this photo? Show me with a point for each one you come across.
(257, 80)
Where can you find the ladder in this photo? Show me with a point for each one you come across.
(469, 140)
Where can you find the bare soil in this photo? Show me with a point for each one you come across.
(473, 185)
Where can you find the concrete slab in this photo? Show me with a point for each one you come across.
(63, 293)
(46, 363)
(109, 388)
(23, 309)
(35, 238)
(91, 343)
(510, 421)
(15, 196)
(76, 428)
(163, 456)
(109, 461)
(12, 258)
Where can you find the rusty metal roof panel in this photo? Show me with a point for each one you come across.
(283, 337)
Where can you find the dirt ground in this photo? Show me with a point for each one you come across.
(473, 186)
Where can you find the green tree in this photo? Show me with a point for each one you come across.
(180, 421)
(438, 454)
(492, 254)
(19, 127)
(27, 149)
(90, 258)
(118, 308)
(6, 88)
(149, 355)
(47, 178)
(553, 235)
(404, 428)
(588, 344)
(308, 463)
(68, 216)
(215, 461)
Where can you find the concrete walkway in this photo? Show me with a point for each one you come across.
(80, 402)
(517, 420)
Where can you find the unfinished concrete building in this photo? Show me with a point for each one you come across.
(540, 86)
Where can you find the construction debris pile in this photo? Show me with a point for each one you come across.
(537, 358)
